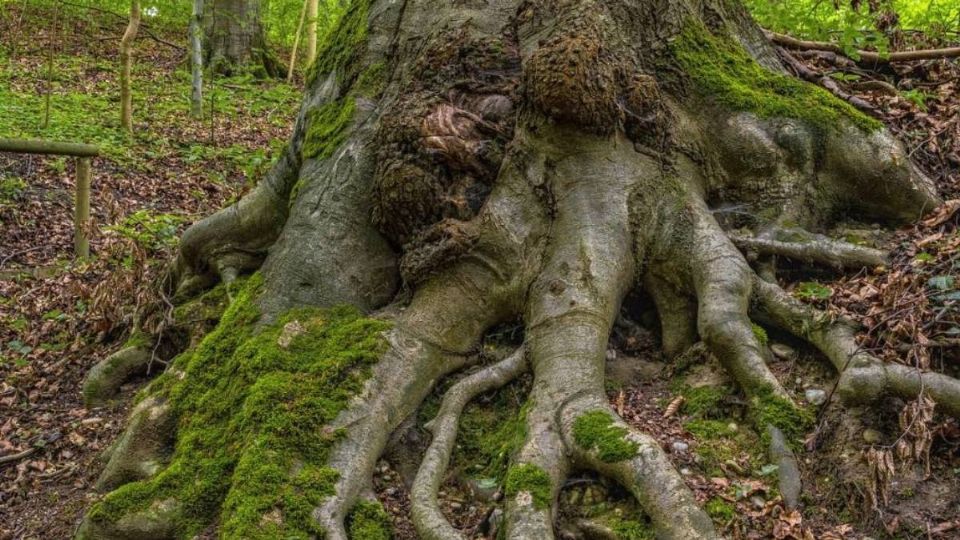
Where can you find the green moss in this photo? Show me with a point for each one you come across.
(369, 521)
(629, 529)
(722, 71)
(371, 82)
(206, 308)
(768, 408)
(252, 442)
(595, 430)
(703, 401)
(531, 479)
(720, 510)
(718, 444)
(327, 128)
(760, 334)
(340, 48)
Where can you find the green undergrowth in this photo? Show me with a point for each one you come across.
(253, 404)
(722, 71)
(531, 479)
(596, 431)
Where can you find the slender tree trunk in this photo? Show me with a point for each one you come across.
(296, 41)
(235, 40)
(126, 64)
(312, 14)
(454, 168)
(196, 60)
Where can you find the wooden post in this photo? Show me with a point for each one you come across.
(81, 211)
(84, 153)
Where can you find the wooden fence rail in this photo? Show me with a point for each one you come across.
(84, 154)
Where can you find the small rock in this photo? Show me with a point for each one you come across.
(732, 427)
(679, 447)
(456, 505)
(815, 396)
(872, 436)
(611, 355)
(390, 492)
(685, 471)
(783, 352)
(758, 501)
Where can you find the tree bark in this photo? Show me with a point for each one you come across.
(196, 60)
(235, 40)
(126, 63)
(456, 166)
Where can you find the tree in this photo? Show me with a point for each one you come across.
(454, 169)
(235, 39)
(126, 64)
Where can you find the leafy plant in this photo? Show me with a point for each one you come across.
(151, 231)
(811, 290)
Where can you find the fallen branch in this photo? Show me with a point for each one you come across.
(18, 456)
(866, 57)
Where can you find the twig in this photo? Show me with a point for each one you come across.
(18, 456)
(866, 57)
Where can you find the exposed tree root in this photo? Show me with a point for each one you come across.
(788, 472)
(141, 450)
(812, 248)
(426, 514)
(104, 379)
(863, 378)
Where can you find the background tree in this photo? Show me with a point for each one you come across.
(235, 39)
(533, 160)
(126, 64)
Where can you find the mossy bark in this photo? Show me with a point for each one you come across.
(234, 39)
(455, 167)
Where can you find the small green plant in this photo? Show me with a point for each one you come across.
(811, 290)
(917, 97)
(11, 189)
(152, 231)
(924, 258)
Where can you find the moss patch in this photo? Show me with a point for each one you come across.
(722, 71)
(596, 431)
(369, 521)
(253, 408)
(720, 510)
(760, 334)
(703, 401)
(768, 408)
(719, 443)
(327, 128)
(531, 479)
(341, 47)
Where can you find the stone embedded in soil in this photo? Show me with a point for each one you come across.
(679, 447)
(815, 396)
(783, 352)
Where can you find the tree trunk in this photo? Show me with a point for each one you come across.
(454, 168)
(312, 14)
(235, 39)
(126, 63)
(196, 60)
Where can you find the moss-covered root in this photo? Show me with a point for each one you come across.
(104, 380)
(811, 248)
(863, 377)
(141, 450)
(600, 440)
(426, 513)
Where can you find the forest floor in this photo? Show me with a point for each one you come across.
(58, 316)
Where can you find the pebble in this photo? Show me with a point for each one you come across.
(456, 505)
(758, 501)
(390, 492)
(611, 355)
(783, 352)
(815, 396)
(685, 471)
(872, 436)
(679, 447)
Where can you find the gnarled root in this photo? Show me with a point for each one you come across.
(104, 379)
(426, 514)
(803, 246)
(863, 378)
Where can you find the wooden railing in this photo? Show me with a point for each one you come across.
(84, 154)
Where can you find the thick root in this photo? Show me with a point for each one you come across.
(802, 246)
(426, 513)
(863, 378)
(603, 442)
(104, 380)
(140, 451)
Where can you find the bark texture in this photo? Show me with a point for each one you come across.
(235, 40)
(458, 165)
